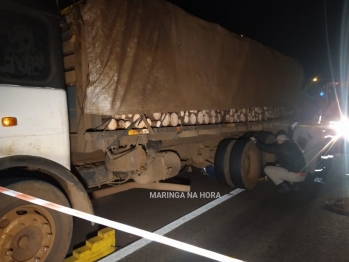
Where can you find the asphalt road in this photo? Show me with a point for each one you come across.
(256, 225)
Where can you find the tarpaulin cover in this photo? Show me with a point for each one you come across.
(151, 56)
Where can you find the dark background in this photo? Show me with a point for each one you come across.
(293, 27)
(306, 30)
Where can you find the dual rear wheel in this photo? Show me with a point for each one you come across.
(239, 163)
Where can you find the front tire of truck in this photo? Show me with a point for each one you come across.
(245, 164)
(30, 232)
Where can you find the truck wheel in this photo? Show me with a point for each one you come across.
(249, 134)
(245, 164)
(281, 132)
(267, 138)
(221, 161)
(33, 233)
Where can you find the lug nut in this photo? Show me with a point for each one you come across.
(44, 225)
(49, 235)
(46, 248)
(9, 253)
(4, 222)
(34, 221)
(37, 259)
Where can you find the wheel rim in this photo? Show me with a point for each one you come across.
(27, 233)
(249, 164)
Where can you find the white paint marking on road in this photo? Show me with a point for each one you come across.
(123, 227)
(168, 228)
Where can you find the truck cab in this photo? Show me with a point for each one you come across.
(34, 136)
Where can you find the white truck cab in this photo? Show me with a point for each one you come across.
(34, 137)
(41, 127)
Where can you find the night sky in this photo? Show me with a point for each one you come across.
(296, 28)
(293, 27)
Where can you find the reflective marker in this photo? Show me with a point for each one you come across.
(327, 157)
(329, 136)
(9, 121)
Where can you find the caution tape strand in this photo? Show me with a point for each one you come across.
(119, 226)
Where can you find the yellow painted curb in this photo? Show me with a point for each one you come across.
(96, 247)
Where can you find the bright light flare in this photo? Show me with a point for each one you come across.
(327, 157)
(319, 120)
(341, 127)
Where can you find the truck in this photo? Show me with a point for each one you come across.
(118, 94)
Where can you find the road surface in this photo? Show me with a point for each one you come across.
(256, 225)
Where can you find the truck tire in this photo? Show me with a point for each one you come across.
(266, 137)
(29, 232)
(249, 134)
(221, 161)
(245, 164)
(282, 132)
